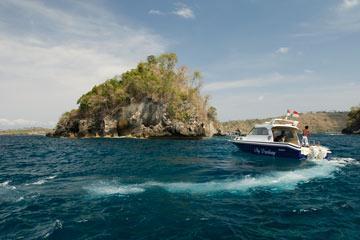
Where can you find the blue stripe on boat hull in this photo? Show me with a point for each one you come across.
(271, 150)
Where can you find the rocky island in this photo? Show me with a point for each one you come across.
(156, 99)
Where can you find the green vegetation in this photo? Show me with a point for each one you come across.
(158, 79)
(353, 121)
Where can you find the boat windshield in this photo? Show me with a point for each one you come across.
(285, 134)
(259, 131)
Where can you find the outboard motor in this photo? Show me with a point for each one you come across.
(317, 152)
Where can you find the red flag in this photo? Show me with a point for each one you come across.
(295, 114)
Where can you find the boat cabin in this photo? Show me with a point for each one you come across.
(278, 130)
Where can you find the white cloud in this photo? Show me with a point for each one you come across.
(184, 11)
(181, 10)
(49, 56)
(283, 50)
(156, 12)
(344, 21)
(349, 4)
(342, 18)
(308, 71)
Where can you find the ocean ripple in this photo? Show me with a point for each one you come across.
(55, 188)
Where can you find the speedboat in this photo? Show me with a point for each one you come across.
(279, 138)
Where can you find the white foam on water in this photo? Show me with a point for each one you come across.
(6, 185)
(20, 199)
(279, 180)
(41, 181)
(103, 188)
(276, 180)
(9, 193)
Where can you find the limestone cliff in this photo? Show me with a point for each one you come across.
(156, 99)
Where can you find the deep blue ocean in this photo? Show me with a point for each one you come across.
(55, 188)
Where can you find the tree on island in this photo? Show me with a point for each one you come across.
(353, 123)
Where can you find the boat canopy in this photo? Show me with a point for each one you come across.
(277, 130)
(279, 121)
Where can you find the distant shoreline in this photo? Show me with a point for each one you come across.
(35, 131)
(319, 122)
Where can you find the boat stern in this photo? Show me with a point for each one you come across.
(316, 152)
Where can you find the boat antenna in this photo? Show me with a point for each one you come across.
(288, 113)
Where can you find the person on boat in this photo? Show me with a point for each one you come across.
(305, 137)
(281, 137)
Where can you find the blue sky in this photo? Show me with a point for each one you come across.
(258, 57)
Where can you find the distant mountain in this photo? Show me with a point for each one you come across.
(318, 122)
(26, 131)
(6, 124)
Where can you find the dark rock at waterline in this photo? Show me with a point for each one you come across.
(143, 120)
(350, 131)
(353, 122)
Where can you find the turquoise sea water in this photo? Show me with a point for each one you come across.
(54, 188)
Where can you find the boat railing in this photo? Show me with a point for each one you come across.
(314, 143)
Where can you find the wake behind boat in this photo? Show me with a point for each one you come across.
(279, 138)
